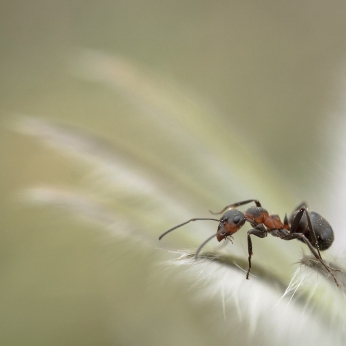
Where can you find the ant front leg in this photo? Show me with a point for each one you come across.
(259, 231)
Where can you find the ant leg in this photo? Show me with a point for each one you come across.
(286, 223)
(295, 225)
(301, 205)
(235, 205)
(296, 209)
(314, 252)
(261, 232)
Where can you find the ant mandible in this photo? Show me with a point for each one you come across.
(308, 227)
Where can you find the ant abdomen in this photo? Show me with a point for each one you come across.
(322, 228)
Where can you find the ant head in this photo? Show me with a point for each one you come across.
(230, 223)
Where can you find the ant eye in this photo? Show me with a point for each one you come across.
(236, 219)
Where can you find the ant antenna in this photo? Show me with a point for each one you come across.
(184, 223)
(202, 245)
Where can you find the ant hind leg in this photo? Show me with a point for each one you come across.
(314, 252)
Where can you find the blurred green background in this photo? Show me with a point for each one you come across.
(154, 112)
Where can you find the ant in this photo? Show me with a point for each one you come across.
(308, 227)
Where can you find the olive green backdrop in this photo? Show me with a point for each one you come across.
(120, 119)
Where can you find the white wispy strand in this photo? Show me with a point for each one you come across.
(77, 204)
(189, 123)
(111, 172)
(86, 148)
(295, 283)
(320, 294)
(252, 302)
(86, 209)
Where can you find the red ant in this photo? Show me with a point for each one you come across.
(308, 227)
